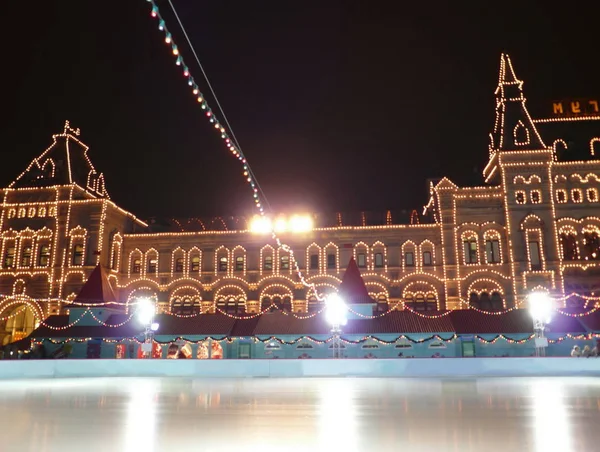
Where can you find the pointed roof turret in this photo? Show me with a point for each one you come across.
(97, 289)
(514, 129)
(353, 289)
(64, 162)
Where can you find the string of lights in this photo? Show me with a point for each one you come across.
(368, 338)
(226, 134)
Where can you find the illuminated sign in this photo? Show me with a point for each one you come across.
(576, 107)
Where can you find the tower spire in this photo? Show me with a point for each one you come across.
(513, 128)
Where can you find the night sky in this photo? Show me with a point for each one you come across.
(338, 105)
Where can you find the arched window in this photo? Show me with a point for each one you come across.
(485, 302)
(235, 307)
(284, 263)
(26, 256)
(378, 260)
(497, 303)
(568, 243)
(408, 254)
(521, 134)
(382, 304)
(44, 256)
(278, 302)
(9, 255)
(136, 265)
(591, 245)
(470, 249)
(265, 304)
(268, 263)
(78, 254)
(492, 249)
(195, 264)
(313, 260)
(331, 261)
(223, 264)
(420, 302)
(430, 302)
(179, 264)
(239, 263)
(152, 265)
(474, 300)
(287, 304)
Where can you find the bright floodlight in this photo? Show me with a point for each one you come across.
(261, 225)
(281, 225)
(335, 310)
(540, 306)
(145, 311)
(300, 223)
(154, 326)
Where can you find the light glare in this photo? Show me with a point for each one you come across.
(261, 225)
(540, 306)
(335, 310)
(145, 311)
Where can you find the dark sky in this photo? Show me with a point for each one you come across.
(338, 105)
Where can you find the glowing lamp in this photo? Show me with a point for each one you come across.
(301, 223)
(540, 306)
(335, 310)
(260, 225)
(145, 311)
(154, 326)
(280, 225)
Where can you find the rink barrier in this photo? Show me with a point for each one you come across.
(423, 367)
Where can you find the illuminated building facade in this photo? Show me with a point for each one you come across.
(535, 225)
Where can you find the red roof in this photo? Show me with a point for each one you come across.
(353, 289)
(96, 289)
(469, 321)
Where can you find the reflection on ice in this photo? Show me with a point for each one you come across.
(337, 422)
(140, 427)
(299, 415)
(551, 416)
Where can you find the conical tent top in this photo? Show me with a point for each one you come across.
(96, 290)
(353, 289)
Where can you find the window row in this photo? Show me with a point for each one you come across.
(409, 258)
(485, 302)
(577, 195)
(471, 250)
(361, 260)
(587, 249)
(535, 197)
(26, 258)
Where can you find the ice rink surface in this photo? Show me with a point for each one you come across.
(317, 414)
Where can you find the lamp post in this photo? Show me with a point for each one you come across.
(335, 314)
(145, 312)
(540, 308)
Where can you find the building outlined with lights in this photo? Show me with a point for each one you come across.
(534, 226)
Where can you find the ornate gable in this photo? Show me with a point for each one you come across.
(64, 162)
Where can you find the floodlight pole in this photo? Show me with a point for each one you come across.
(538, 327)
(336, 343)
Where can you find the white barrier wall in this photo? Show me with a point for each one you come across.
(425, 367)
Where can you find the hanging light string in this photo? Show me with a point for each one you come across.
(227, 134)
(214, 95)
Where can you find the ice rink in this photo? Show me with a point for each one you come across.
(318, 414)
